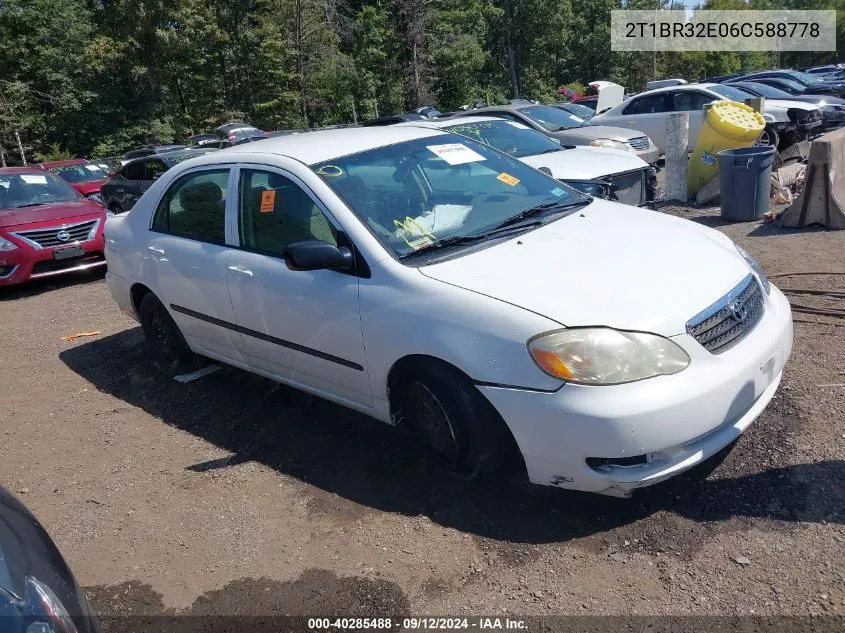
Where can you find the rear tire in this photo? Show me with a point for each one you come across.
(445, 410)
(169, 349)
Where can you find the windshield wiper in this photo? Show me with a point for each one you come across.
(460, 240)
(539, 210)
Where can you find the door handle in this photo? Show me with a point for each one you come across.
(241, 270)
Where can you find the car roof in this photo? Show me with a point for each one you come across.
(62, 163)
(322, 145)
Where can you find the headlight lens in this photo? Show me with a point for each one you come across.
(604, 356)
(6, 245)
(595, 188)
(607, 142)
(757, 268)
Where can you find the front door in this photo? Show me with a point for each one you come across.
(188, 247)
(303, 327)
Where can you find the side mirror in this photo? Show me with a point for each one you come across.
(317, 255)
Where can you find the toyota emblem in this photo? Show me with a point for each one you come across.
(63, 236)
(738, 311)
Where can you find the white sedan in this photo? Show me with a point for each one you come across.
(429, 280)
(648, 111)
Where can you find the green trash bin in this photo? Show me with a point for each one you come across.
(745, 182)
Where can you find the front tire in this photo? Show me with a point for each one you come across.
(164, 338)
(445, 410)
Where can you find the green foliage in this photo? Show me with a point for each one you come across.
(85, 77)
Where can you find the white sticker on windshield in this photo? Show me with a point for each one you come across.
(455, 153)
(557, 191)
(92, 168)
(521, 126)
(576, 118)
(33, 179)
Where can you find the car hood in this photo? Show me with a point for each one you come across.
(66, 211)
(92, 186)
(584, 163)
(600, 131)
(609, 264)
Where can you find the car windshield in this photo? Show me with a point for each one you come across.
(733, 93)
(792, 84)
(578, 110)
(770, 91)
(79, 172)
(805, 79)
(416, 194)
(29, 190)
(174, 158)
(553, 119)
(510, 137)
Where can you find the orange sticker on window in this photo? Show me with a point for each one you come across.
(268, 201)
(508, 179)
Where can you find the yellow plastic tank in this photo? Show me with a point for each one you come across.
(727, 125)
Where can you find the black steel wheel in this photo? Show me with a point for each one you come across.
(163, 336)
(445, 410)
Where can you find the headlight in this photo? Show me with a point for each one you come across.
(756, 267)
(595, 188)
(604, 356)
(607, 142)
(6, 245)
(44, 611)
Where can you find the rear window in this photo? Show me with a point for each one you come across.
(79, 172)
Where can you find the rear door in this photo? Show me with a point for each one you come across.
(691, 101)
(188, 246)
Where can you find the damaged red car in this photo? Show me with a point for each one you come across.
(46, 227)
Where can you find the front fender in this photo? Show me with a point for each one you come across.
(404, 313)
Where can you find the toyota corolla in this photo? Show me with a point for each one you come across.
(429, 280)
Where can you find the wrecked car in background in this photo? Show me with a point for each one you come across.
(611, 174)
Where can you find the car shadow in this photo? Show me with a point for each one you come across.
(48, 284)
(369, 463)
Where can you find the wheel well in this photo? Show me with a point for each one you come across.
(403, 369)
(137, 294)
(408, 366)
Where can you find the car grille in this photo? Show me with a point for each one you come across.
(639, 142)
(47, 238)
(628, 187)
(730, 319)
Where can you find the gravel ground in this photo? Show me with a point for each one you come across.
(234, 495)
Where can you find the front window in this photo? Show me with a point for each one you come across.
(553, 119)
(510, 137)
(791, 84)
(803, 78)
(79, 172)
(29, 190)
(579, 110)
(417, 194)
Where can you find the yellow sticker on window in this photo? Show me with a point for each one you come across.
(268, 201)
(508, 179)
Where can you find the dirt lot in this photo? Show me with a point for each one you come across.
(235, 495)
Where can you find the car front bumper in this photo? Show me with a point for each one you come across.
(650, 155)
(25, 264)
(654, 429)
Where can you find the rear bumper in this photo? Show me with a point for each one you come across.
(22, 265)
